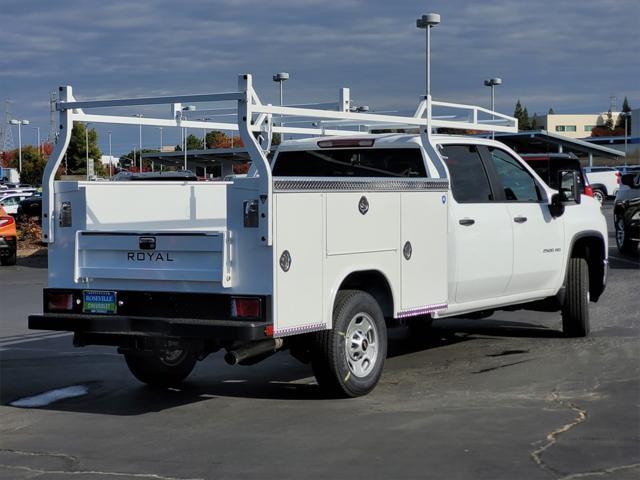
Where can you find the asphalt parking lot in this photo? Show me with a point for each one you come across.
(499, 398)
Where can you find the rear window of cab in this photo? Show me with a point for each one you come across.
(351, 162)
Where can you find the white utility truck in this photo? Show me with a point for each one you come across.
(317, 250)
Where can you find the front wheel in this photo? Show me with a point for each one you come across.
(162, 368)
(623, 242)
(575, 310)
(348, 359)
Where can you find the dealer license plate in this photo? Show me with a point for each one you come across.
(99, 301)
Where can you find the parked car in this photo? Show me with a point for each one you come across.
(30, 207)
(605, 181)
(10, 201)
(547, 166)
(626, 214)
(8, 239)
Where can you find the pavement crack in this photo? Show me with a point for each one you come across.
(600, 473)
(500, 366)
(70, 460)
(42, 471)
(507, 352)
(552, 437)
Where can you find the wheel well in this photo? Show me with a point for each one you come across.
(591, 248)
(375, 284)
(599, 186)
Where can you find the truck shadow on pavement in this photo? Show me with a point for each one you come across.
(29, 368)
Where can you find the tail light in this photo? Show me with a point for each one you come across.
(59, 301)
(347, 142)
(8, 220)
(245, 307)
(588, 190)
(618, 177)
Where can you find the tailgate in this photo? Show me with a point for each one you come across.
(168, 256)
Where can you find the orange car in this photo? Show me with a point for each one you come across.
(8, 239)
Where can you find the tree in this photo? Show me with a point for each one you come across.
(77, 151)
(193, 143)
(218, 139)
(626, 113)
(534, 122)
(33, 164)
(551, 112)
(522, 116)
(609, 121)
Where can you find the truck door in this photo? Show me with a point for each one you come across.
(480, 260)
(538, 237)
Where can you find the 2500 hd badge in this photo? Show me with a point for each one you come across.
(149, 256)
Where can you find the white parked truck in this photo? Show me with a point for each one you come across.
(317, 250)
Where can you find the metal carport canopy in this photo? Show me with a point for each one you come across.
(530, 142)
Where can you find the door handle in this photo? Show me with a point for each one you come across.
(467, 222)
(520, 219)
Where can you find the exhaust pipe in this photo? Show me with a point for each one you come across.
(253, 352)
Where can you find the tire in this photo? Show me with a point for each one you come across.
(624, 243)
(161, 369)
(575, 310)
(348, 360)
(10, 259)
(599, 195)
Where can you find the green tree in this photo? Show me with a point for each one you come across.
(522, 116)
(193, 143)
(77, 151)
(626, 113)
(625, 106)
(609, 121)
(33, 164)
(534, 122)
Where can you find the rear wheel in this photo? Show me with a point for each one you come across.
(9, 259)
(348, 359)
(162, 368)
(575, 310)
(624, 243)
(599, 195)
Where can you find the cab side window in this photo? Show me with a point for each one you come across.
(469, 180)
(517, 184)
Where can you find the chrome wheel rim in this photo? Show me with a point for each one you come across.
(620, 231)
(598, 196)
(361, 344)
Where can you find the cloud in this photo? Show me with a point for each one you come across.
(570, 55)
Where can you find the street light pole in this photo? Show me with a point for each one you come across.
(281, 78)
(493, 82)
(427, 22)
(139, 115)
(19, 123)
(86, 147)
(110, 157)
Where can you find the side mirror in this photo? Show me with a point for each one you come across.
(569, 186)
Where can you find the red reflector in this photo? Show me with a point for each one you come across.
(245, 307)
(268, 331)
(347, 142)
(60, 301)
(588, 190)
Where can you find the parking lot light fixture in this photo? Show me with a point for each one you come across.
(427, 22)
(493, 82)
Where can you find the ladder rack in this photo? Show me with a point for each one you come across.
(255, 119)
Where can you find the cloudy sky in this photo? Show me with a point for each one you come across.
(571, 55)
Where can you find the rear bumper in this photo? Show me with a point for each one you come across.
(152, 314)
(108, 326)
